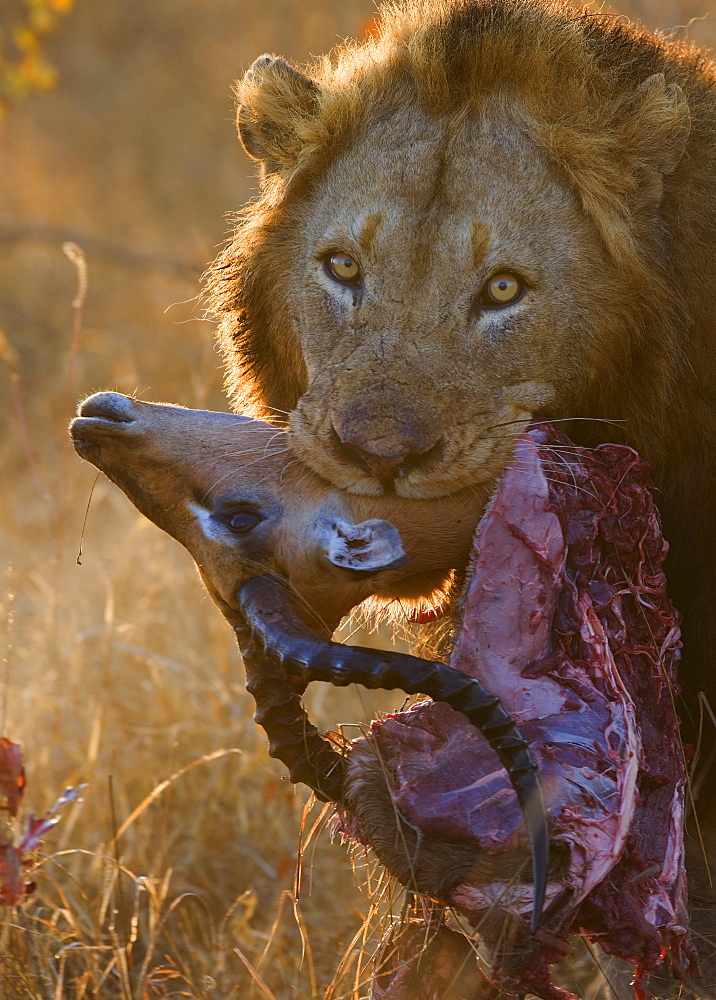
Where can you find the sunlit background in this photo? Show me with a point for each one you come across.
(117, 136)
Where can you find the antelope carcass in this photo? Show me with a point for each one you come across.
(550, 619)
(285, 556)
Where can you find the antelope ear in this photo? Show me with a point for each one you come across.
(274, 100)
(656, 130)
(368, 547)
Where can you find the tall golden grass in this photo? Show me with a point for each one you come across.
(175, 874)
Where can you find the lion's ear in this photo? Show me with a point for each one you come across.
(274, 99)
(656, 129)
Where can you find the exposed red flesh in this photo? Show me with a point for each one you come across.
(422, 616)
(567, 620)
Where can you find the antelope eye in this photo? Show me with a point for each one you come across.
(502, 289)
(242, 522)
(343, 268)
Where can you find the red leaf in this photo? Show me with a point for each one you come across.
(12, 774)
(12, 883)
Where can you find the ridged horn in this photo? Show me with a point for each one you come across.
(274, 623)
(293, 740)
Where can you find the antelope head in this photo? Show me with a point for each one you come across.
(228, 488)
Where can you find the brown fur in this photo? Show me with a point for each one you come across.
(624, 305)
(190, 470)
(585, 147)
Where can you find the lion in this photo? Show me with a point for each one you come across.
(492, 211)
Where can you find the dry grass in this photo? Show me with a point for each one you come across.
(174, 875)
(120, 673)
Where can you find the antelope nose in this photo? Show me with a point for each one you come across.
(387, 460)
(109, 406)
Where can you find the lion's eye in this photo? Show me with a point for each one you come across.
(501, 290)
(343, 268)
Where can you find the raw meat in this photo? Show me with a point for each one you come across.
(567, 620)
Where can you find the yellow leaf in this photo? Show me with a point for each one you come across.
(25, 40)
(44, 77)
(42, 21)
(36, 74)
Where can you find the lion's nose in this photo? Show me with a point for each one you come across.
(388, 459)
(382, 466)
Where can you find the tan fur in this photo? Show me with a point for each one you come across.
(586, 148)
(190, 470)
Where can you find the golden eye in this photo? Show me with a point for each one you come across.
(342, 267)
(502, 289)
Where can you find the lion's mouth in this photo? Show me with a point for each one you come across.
(424, 477)
(387, 469)
(443, 469)
(370, 450)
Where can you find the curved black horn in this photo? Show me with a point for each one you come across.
(293, 740)
(281, 632)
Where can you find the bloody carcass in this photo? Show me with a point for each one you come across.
(286, 556)
(566, 619)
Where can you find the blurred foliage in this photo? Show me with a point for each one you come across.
(118, 672)
(24, 66)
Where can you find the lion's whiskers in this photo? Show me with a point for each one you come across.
(617, 422)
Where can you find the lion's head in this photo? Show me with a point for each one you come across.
(461, 226)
